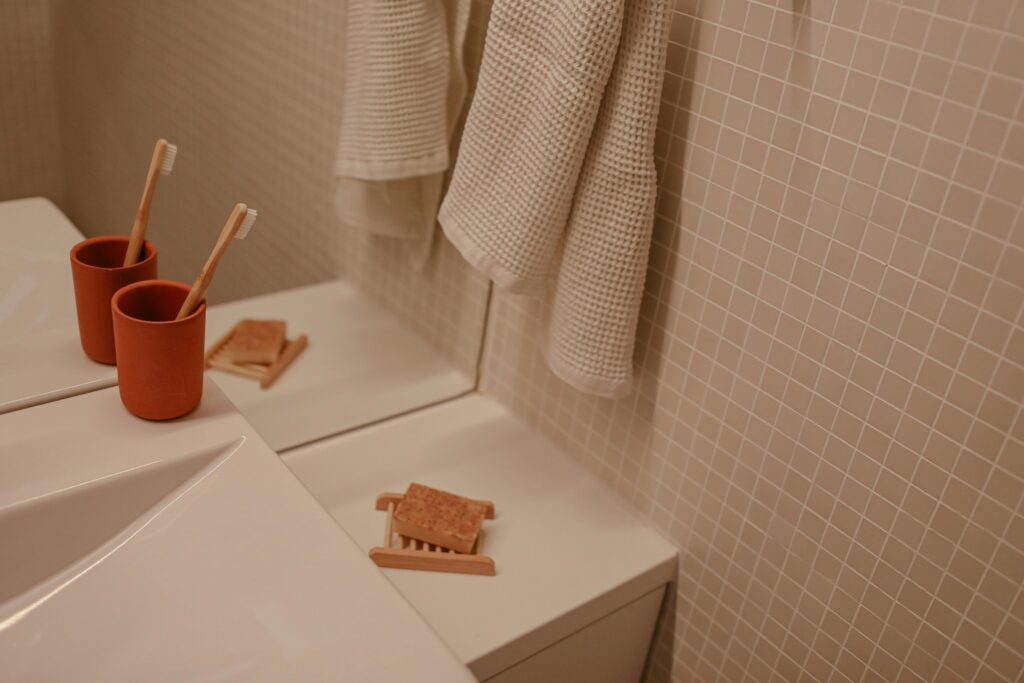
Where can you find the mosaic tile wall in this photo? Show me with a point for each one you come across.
(831, 353)
(250, 92)
(29, 131)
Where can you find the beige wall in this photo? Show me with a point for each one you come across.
(828, 421)
(29, 132)
(250, 92)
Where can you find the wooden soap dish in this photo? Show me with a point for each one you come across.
(266, 374)
(401, 552)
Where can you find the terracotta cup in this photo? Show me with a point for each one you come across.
(97, 273)
(159, 359)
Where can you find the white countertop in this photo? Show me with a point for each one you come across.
(567, 550)
(238, 575)
(41, 358)
(362, 364)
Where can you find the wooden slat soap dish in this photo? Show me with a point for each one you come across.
(401, 552)
(218, 356)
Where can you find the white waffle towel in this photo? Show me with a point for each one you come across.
(554, 187)
(404, 89)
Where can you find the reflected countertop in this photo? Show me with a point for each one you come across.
(362, 363)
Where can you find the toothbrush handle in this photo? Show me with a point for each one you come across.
(205, 277)
(138, 234)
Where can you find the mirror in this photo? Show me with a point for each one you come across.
(255, 96)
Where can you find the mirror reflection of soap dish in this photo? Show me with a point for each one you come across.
(257, 349)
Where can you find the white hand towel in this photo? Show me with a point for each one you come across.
(404, 89)
(554, 187)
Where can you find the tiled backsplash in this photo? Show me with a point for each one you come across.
(831, 353)
(250, 92)
(29, 131)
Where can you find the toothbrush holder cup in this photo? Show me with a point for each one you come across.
(97, 273)
(160, 361)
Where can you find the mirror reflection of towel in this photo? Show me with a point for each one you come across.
(404, 89)
(553, 191)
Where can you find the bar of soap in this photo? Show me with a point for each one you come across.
(255, 341)
(439, 517)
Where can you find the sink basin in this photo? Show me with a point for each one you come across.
(54, 532)
(184, 551)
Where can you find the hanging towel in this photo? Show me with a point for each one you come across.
(553, 191)
(404, 88)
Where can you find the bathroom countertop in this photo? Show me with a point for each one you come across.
(234, 573)
(567, 551)
(37, 226)
(42, 358)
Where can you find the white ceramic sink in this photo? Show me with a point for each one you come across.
(183, 551)
(47, 534)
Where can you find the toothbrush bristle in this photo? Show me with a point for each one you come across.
(168, 161)
(246, 226)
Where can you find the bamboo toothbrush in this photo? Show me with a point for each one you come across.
(238, 226)
(161, 164)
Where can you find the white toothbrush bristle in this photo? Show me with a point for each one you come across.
(246, 226)
(168, 161)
